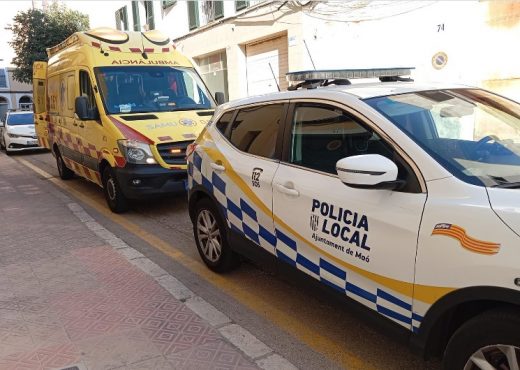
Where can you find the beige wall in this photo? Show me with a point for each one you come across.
(233, 34)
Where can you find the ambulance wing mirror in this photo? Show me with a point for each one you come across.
(369, 171)
(82, 109)
(220, 98)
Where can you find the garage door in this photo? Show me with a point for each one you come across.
(267, 64)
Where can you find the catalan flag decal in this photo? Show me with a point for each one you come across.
(471, 244)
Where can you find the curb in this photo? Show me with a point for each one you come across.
(253, 348)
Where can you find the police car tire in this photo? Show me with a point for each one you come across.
(64, 172)
(487, 329)
(117, 202)
(228, 259)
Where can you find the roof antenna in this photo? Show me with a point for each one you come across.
(308, 52)
(143, 54)
(274, 77)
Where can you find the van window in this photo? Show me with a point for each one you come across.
(85, 88)
(255, 129)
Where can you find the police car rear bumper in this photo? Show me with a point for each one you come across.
(142, 181)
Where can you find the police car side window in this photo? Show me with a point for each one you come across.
(224, 121)
(322, 135)
(255, 129)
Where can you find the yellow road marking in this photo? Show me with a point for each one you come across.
(312, 338)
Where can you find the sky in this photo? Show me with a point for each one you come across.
(10, 8)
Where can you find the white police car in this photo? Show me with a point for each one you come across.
(401, 196)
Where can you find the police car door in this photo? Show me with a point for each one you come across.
(361, 242)
(241, 168)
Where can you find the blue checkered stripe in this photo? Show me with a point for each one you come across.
(244, 219)
(348, 282)
(239, 213)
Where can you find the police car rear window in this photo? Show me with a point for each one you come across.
(255, 129)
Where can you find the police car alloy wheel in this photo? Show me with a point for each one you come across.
(487, 341)
(211, 238)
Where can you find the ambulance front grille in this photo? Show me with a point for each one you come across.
(174, 153)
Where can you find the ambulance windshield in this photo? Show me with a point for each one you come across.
(145, 89)
(473, 133)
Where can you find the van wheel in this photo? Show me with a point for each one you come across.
(211, 238)
(488, 341)
(115, 198)
(63, 170)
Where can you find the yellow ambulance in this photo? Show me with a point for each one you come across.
(119, 109)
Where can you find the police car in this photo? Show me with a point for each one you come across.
(401, 196)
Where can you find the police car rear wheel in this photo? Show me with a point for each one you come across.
(63, 170)
(488, 341)
(115, 198)
(211, 239)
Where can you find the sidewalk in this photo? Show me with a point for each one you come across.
(73, 295)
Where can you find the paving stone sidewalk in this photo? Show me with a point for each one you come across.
(68, 298)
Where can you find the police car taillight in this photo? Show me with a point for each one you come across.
(190, 149)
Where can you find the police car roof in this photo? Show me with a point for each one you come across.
(357, 90)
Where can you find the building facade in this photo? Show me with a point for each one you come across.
(13, 94)
(245, 48)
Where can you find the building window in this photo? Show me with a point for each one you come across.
(25, 103)
(239, 5)
(135, 16)
(193, 14)
(168, 3)
(213, 10)
(148, 9)
(3, 78)
(122, 19)
(213, 70)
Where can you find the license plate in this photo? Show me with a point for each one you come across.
(32, 142)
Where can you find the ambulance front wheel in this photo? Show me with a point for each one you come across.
(64, 172)
(210, 234)
(490, 340)
(114, 196)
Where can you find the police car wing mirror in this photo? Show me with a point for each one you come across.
(369, 171)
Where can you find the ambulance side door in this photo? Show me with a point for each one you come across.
(361, 242)
(92, 135)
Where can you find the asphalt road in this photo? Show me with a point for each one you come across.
(299, 322)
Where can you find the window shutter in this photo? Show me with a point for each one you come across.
(148, 6)
(239, 5)
(135, 15)
(124, 19)
(219, 9)
(168, 3)
(3, 78)
(193, 14)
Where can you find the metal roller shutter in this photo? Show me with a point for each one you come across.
(264, 59)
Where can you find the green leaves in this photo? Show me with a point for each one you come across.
(35, 30)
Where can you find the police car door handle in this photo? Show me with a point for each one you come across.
(284, 189)
(217, 166)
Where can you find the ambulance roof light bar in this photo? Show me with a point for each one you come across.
(312, 79)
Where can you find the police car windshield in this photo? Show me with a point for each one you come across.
(472, 133)
(20, 119)
(143, 89)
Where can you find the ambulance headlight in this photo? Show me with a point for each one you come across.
(136, 152)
